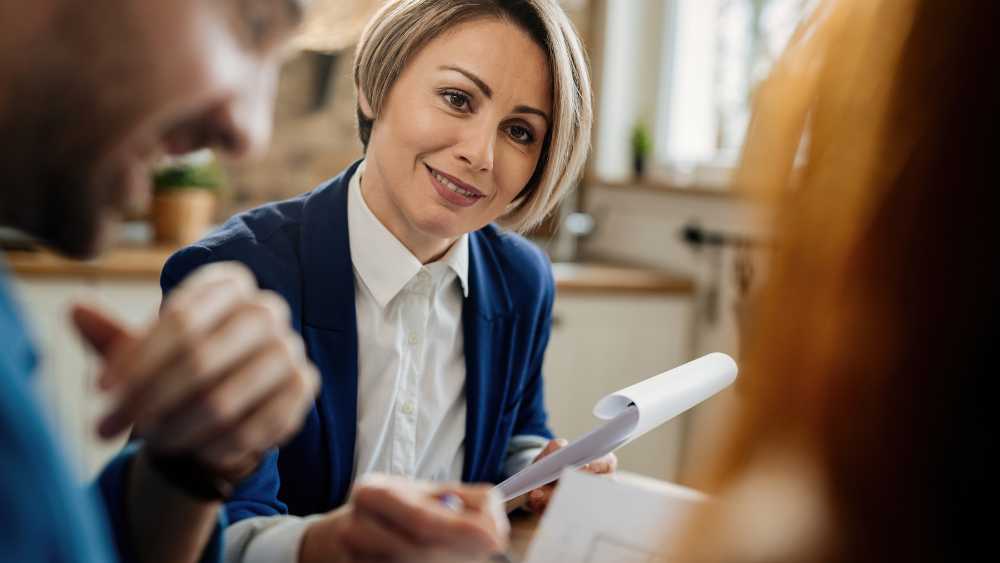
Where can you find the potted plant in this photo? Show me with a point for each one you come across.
(184, 197)
(640, 148)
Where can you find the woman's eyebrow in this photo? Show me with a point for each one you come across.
(479, 81)
(529, 109)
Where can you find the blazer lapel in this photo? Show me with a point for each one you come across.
(327, 271)
(329, 324)
(488, 322)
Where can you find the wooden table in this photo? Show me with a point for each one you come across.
(522, 529)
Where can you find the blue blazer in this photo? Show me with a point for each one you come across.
(299, 248)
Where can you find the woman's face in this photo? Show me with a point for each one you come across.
(460, 132)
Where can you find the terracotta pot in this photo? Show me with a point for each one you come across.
(180, 216)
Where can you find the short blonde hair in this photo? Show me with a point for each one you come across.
(401, 28)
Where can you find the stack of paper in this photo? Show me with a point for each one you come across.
(594, 520)
(630, 413)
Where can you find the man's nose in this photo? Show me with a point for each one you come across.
(241, 126)
(477, 146)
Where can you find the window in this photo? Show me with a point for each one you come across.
(686, 71)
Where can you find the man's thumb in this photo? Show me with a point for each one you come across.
(101, 331)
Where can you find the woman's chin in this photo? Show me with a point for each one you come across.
(443, 223)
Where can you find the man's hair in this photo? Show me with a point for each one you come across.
(402, 28)
(66, 108)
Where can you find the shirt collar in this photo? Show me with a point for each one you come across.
(457, 258)
(383, 263)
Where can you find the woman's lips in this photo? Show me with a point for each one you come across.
(447, 187)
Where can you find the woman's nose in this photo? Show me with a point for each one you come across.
(477, 146)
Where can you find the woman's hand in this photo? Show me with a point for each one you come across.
(538, 499)
(390, 519)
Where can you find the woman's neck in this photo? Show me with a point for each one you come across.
(427, 248)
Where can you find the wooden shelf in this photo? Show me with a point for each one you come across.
(572, 277)
(663, 186)
(145, 262)
(136, 262)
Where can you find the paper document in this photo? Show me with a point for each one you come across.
(594, 520)
(630, 413)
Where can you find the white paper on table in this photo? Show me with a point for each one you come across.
(630, 413)
(595, 520)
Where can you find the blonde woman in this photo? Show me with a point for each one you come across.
(426, 314)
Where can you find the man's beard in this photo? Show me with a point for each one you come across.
(56, 135)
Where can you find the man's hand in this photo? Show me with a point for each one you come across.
(538, 499)
(220, 375)
(395, 520)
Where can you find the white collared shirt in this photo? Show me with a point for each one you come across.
(411, 357)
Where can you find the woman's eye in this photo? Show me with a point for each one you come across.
(520, 134)
(457, 101)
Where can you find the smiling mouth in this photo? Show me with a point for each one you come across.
(451, 185)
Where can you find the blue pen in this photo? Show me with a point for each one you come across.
(453, 502)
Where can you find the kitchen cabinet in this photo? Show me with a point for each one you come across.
(602, 342)
(65, 380)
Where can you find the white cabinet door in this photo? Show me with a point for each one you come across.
(64, 361)
(601, 343)
(67, 366)
(135, 303)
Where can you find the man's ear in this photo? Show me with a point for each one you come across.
(366, 108)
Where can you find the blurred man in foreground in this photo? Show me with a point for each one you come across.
(91, 94)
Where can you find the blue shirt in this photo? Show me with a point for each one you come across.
(44, 515)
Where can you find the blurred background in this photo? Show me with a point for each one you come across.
(656, 258)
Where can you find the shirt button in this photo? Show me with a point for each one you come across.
(412, 339)
(407, 407)
(423, 275)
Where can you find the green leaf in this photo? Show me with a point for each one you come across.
(186, 176)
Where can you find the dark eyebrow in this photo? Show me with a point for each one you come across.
(479, 81)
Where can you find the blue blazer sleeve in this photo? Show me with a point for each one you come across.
(182, 263)
(532, 418)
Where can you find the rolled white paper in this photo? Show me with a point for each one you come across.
(667, 395)
(631, 412)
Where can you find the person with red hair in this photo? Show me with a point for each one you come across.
(863, 434)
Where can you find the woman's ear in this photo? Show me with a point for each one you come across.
(366, 108)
